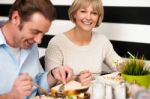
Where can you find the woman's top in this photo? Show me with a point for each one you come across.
(62, 51)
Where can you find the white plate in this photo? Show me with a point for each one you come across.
(111, 79)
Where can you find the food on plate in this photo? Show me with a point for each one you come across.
(116, 78)
(72, 90)
(43, 97)
(86, 96)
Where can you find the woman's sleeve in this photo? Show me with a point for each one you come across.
(53, 57)
(111, 57)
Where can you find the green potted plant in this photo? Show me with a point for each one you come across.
(135, 70)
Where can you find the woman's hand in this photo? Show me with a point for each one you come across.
(62, 73)
(85, 77)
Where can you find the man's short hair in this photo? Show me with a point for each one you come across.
(26, 8)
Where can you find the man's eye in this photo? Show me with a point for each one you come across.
(35, 32)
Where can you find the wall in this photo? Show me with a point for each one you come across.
(126, 23)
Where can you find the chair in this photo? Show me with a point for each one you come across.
(42, 61)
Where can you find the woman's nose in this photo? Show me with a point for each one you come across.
(88, 15)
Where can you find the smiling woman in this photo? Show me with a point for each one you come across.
(80, 47)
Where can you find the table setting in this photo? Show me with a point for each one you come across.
(109, 86)
(114, 85)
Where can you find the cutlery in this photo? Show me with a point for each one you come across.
(39, 87)
(61, 91)
(93, 75)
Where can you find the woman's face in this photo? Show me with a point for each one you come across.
(86, 18)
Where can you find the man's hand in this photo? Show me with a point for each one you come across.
(22, 87)
(62, 73)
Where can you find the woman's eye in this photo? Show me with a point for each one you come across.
(82, 11)
(95, 13)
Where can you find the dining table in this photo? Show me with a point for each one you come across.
(109, 86)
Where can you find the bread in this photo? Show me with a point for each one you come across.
(71, 88)
(44, 97)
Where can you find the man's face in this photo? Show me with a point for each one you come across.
(32, 31)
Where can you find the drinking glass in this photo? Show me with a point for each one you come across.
(98, 90)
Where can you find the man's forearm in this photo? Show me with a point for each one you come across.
(3, 97)
(6, 96)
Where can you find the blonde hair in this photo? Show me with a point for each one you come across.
(77, 4)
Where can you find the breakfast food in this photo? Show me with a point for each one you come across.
(86, 96)
(43, 97)
(114, 78)
(71, 89)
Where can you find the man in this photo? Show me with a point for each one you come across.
(28, 21)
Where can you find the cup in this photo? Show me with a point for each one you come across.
(109, 94)
(98, 90)
(119, 91)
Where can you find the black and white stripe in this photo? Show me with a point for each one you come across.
(130, 15)
(126, 23)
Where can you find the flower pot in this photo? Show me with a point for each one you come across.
(143, 80)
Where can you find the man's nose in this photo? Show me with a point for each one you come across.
(38, 38)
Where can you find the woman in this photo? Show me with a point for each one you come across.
(81, 48)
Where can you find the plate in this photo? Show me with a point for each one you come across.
(111, 79)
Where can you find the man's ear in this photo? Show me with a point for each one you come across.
(15, 18)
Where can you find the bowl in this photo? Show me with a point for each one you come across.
(142, 80)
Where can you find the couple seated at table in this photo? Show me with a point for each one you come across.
(80, 48)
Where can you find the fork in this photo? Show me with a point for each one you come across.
(93, 77)
(39, 87)
(61, 91)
